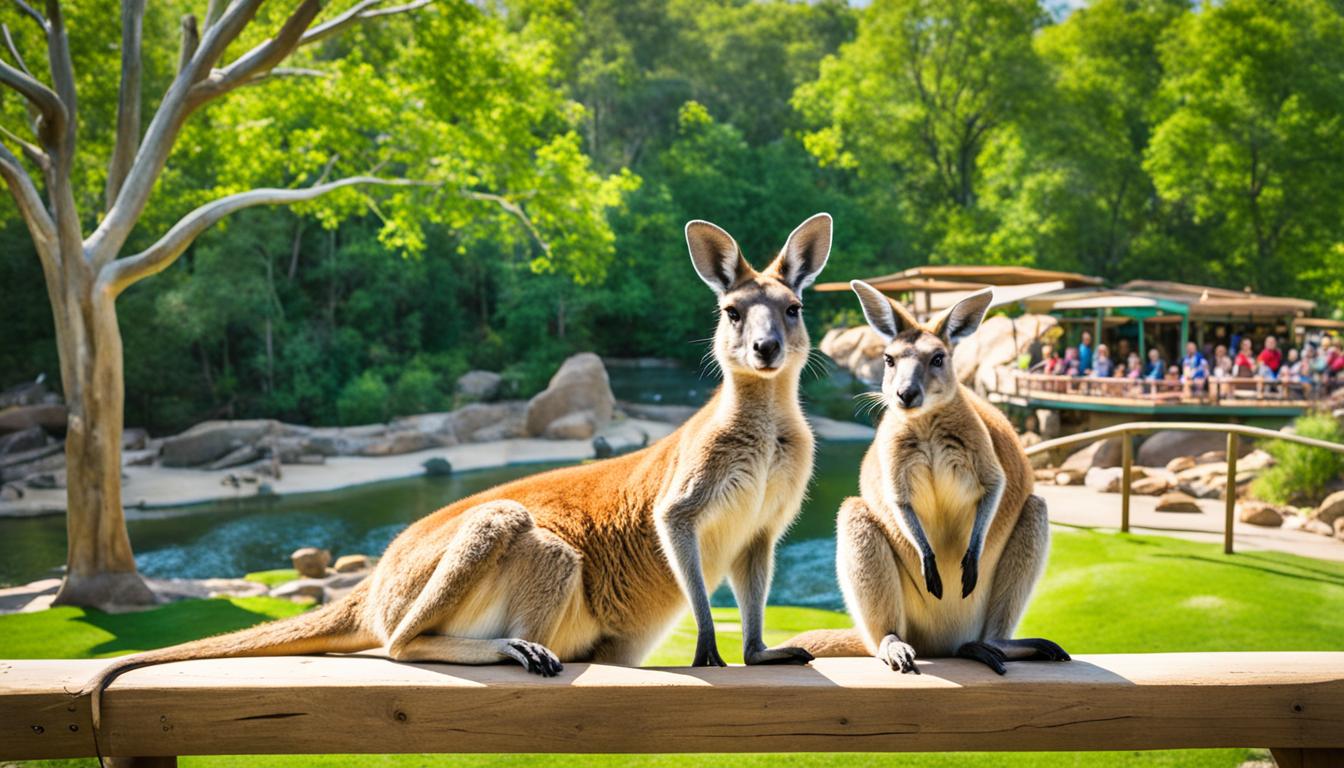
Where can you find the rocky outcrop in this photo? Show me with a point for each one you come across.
(212, 440)
(1161, 448)
(352, 563)
(1176, 501)
(49, 416)
(1259, 513)
(479, 385)
(579, 393)
(1331, 509)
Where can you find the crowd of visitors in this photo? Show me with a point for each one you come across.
(1319, 361)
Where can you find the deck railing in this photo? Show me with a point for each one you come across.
(1127, 431)
(1209, 391)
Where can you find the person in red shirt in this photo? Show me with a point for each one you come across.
(1243, 367)
(1270, 356)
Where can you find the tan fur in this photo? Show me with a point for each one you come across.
(918, 575)
(592, 562)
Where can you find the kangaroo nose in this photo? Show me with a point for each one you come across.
(767, 349)
(908, 396)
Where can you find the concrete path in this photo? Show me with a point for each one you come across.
(1079, 505)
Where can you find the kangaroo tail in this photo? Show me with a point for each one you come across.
(332, 628)
(831, 642)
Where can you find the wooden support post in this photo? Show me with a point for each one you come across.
(1230, 492)
(141, 762)
(1126, 468)
(1307, 758)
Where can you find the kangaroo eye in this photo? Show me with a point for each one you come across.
(732, 314)
(891, 361)
(794, 310)
(937, 361)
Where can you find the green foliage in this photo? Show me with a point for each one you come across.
(364, 400)
(417, 390)
(273, 578)
(1302, 474)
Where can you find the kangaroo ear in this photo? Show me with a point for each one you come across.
(885, 316)
(804, 254)
(964, 318)
(716, 256)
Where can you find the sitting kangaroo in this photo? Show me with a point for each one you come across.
(595, 562)
(945, 481)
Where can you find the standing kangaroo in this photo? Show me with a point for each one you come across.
(595, 562)
(945, 481)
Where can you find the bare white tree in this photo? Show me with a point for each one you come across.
(86, 273)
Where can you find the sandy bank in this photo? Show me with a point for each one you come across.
(158, 487)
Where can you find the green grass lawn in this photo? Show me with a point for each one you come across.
(1102, 593)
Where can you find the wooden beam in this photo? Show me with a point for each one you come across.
(364, 704)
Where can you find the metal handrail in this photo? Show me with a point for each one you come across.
(1233, 431)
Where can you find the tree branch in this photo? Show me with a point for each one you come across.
(122, 273)
(25, 193)
(361, 11)
(258, 61)
(191, 39)
(32, 13)
(33, 152)
(44, 100)
(513, 209)
(62, 78)
(128, 98)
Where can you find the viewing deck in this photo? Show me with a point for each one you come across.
(1211, 397)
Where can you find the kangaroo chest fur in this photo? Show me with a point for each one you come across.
(936, 467)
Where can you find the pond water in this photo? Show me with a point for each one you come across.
(235, 537)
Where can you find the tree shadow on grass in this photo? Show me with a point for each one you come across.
(1233, 561)
(169, 625)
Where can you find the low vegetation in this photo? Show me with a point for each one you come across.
(1102, 593)
(1302, 474)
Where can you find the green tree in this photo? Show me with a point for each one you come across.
(1249, 137)
(914, 102)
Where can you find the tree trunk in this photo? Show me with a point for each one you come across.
(100, 568)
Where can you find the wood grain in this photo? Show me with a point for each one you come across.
(358, 704)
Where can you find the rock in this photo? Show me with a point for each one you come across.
(139, 458)
(134, 439)
(479, 385)
(49, 417)
(46, 480)
(438, 467)
(1175, 501)
(1259, 513)
(352, 563)
(579, 425)
(1331, 509)
(243, 454)
(10, 492)
(28, 393)
(1211, 457)
(581, 384)
(482, 422)
(1103, 479)
(1048, 422)
(23, 440)
(301, 589)
(1161, 447)
(1180, 464)
(1150, 486)
(1255, 461)
(1044, 475)
(398, 443)
(668, 414)
(1068, 477)
(1312, 525)
(310, 459)
(311, 561)
(1339, 528)
(211, 440)
(601, 448)
(1103, 453)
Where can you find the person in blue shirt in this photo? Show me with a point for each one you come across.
(1085, 354)
(1103, 367)
(1156, 368)
(1194, 367)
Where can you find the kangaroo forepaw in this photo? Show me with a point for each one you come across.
(898, 655)
(986, 654)
(707, 652)
(932, 580)
(535, 657)
(781, 655)
(970, 573)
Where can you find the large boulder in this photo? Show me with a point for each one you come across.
(397, 443)
(579, 425)
(1331, 509)
(1103, 479)
(212, 440)
(479, 422)
(1161, 448)
(580, 385)
(28, 393)
(859, 350)
(479, 385)
(352, 563)
(23, 440)
(1103, 454)
(48, 416)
